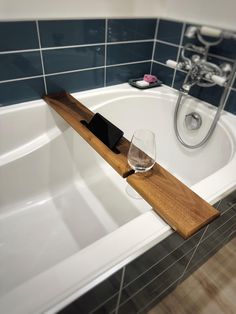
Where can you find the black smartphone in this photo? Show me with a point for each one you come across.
(107, 132)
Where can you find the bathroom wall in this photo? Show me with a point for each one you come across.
(169, 41)
(221, 14)
(73, 55)
(39, 57)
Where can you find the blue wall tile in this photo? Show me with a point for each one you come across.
(227, 48)
(211, 95)
(121, 74)
(231, 102)
(164, 52)
(71, 32)
(19, 65)
(179, 79)
(169, 31)
(18, 36)
(59, 60)
(163, 73)
(76, 81)
(131, 29)
(122, 53)
(91, 34)
(19, 91)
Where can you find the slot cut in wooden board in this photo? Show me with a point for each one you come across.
(180, 207)
(71, 110)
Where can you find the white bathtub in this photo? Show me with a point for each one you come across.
(63, 210)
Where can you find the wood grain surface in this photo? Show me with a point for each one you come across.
(74, 112)
(179, 206)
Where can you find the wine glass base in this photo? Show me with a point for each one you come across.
(132, 193)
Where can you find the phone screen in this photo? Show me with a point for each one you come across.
(107, 132)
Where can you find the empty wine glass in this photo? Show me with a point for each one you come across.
(142, 154)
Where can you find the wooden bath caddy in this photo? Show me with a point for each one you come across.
(179, 206)
(74, 112)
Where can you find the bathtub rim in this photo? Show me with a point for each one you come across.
(153, 236)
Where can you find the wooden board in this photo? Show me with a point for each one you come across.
(73, 112)
(180, 207)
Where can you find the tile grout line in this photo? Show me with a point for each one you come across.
(105, 54)
(200, 241)
(120, 290)
(41, 57)
(154, 44)
(178, 279)
(178, 54)
(217, 245)
(76, 46)
(21, 79)
(73, 71)
(155, 277)
(19, 51)
(168, 43)
(144, 307)
(194, 251)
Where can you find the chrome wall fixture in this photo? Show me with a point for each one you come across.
(203, 73)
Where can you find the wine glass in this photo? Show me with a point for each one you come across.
(142, 154)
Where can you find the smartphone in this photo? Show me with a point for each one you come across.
(107, 132)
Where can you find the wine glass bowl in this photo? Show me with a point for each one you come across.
(142, 151)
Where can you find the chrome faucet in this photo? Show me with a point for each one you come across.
(203, 73)
(200, 71)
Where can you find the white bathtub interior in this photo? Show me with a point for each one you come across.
(58, 197)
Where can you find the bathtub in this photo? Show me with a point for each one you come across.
(66, 220)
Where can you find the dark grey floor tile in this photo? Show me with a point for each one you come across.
(158, 253)
(74, 82)
(24, 90)
(159, 277)
(18, 36)
(132, 52)
(71, 32)
(140, 293)
(121, 74)
(163, 73)
(229, 217)
(20, 65)
(209, 249)
(131, 29)
(67, 59)
(157, 299)
(103, 298)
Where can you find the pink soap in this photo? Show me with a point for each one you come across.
(150, 78)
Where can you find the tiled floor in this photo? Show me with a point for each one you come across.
(210, 290)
